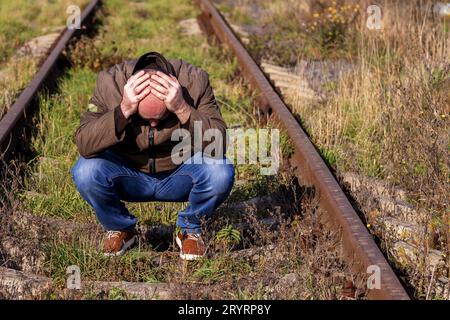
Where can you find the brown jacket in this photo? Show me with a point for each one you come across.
(147, 149)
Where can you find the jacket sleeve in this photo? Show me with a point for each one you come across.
(207, 114)
(101, 126)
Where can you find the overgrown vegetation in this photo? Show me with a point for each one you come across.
(21, 21)
(298, 251)
(310, 29)
(389, 117)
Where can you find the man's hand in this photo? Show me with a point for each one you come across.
(168, 89)
(134, 91)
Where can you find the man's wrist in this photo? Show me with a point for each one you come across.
(125, 111)
(184, 112)
(120, 121)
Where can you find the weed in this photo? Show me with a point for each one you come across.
(226, 273)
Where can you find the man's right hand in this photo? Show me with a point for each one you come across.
(136, 88)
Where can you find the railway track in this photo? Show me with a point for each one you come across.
(359, 245)
(361, 252)
(19, 109)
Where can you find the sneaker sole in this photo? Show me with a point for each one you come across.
(178, 241)
(188, 257)
(125, 247)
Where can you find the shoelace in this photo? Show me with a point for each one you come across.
(112, 234)
(194, 236)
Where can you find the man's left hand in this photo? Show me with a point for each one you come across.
(167, 88)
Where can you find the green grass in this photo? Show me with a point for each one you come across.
(134, 266)
(49, 190)
(289, 33)
(238, 14)
(388, 118)
(14, 77)
(21, 21)
(49, 182)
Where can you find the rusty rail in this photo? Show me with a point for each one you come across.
(359, 246)
(17, 111)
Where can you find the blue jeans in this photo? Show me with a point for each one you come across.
(106, 180)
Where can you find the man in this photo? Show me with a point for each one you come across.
(126, 149)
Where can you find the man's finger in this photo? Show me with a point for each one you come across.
(141, 87)
(166, 77)
(158, 94)
(139, 80)
(143, 94)
(158, 87)
(134, 76)
(161, 81)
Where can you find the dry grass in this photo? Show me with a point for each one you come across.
(303, 254)
(389, 118)
(292, 264)
(21, 21)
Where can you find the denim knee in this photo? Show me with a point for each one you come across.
(87, 172)
(220, 177)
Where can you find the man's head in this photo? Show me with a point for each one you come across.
(151, 107)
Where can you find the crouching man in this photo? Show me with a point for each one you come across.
(125, 144)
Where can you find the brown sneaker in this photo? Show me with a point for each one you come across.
(117, 242)
(191, 246)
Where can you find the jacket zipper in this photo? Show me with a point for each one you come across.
(151, 142)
